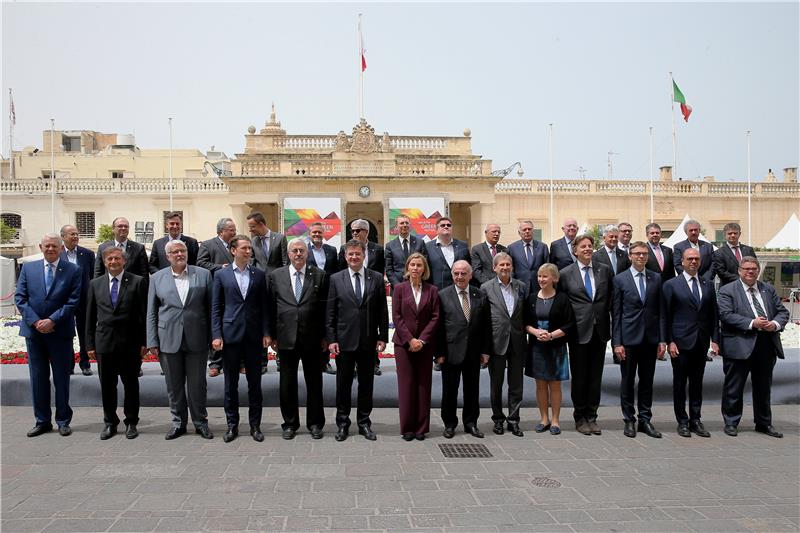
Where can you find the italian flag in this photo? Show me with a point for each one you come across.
(677, 96)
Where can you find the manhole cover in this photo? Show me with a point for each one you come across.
(545, 482)
(465, 450)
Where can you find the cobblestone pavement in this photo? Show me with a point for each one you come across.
(605, 483)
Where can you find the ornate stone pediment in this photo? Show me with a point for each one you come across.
(364, 140)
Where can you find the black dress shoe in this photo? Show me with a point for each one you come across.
(647, 428)
(174, 433)
(230, 434)
(255, 432)
(582, 427)
(341, 434)
(316, 432)
(204, 432)
(630, 429)
(449, 433)
(329, 370)
(594, 428)
(420, 436)
(698, 428)
(408, 437)
(474, 431)
(683, 430)
(367, 432)
(498, 428)
(40, 429)
(131, 432)
(769, 430)
(288, 434)
(87, 371)
(66, 431)
(514, 429)
(731, 431)
(108, 432)
(378, 371)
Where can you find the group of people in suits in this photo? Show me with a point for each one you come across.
(524, 309)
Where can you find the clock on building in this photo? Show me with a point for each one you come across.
(364, 191)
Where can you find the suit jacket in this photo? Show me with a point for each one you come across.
(623, 261)
(169, 321)
(634, 322)
(440, 270)
(357, 325)
(725, 265)
(706, 270)
(395, 258)
(292, 323)
(58, 304)
(135, 259)
(560, 253)
(412, 321)
(212, 254)
(483, 262)
(158, 255)
(86, 265)
(331, 259)
(522, 270)
(590, 314)
(459, 339)
(278, 253)
(561, 317)
(689, 324)
(375, 260)
(235, 319)
(109, 328)
(652, 262)
(735, 315)
(508, 331)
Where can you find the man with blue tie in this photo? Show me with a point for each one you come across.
(48, 292)
(84, 259)
(637, 335)
(528, 254)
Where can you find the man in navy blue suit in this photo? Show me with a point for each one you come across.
(324, 257)
(637, 335)
(48, 292)
(239, 325)
(528, 254)
(692, 230)
(561, 249)
(443, 252)
(84, 259)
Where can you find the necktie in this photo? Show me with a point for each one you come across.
(641, 286)
(114, 292)
(759, 310)
(695, 290)
(529, 255)
(738, 254)
(48, 280)
(494, 250)
(465, 304)
(659, 257)
(298, 286)
(405, 247)
(265, 245)
(587, 282)
(613, 256)
(569, 249)
(358, 286)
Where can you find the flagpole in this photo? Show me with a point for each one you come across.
(11, 120)
(170, 163)
(52, 175)
(674, 129)
(360, 71)
(749, 193)
(652, 183)
(552, 200)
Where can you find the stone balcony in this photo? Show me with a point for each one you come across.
(642, 187)
(13, 187)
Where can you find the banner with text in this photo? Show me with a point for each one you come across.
(422, 212)
(300, 213)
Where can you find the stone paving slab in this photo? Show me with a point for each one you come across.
(605, 483)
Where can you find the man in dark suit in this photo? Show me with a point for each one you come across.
(213, 255)
(725, 259)
(464, 344)
(443, 252)
(48, 292)
(507, 299)
(297, 296)
(561, 249)
(692, 230)
(397, 250)
(269, 247)
(625, 236)
(528, 254)
(588, 285)
(173, 223)
(116, 336)
(240, 329)
(324, 257)
(752, 318)
(135, 255)
(659, 257)
(609, 255)
(638, 337)
(482, 255)
(357, 321)
(84, 259)
(692, 322)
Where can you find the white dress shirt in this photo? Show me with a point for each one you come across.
(55, 268)
(111, 280)
(293, 278)
(635, 273)
(688, 279)
(242, 278)
(417, 293)
(581, 274)
(746, 288)
(352, 272)
(447, 251)
(319, 255)
(72, 255)
(508, 295)
(182, 284)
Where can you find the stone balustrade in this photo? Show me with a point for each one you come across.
(110, 186)
(638, 188)
(400, 144)
(306, 142)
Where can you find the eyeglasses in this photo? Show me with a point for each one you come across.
(356, 230)
(693, 259)
(749, 269)
(445, 225)
(638, 253)
(297, 251)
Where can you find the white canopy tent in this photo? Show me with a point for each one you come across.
(679, 235)
(788, 236)
(7, 286)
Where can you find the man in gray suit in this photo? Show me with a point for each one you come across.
(507, 298)
(752, 318)
(179, 332)
(482, 255)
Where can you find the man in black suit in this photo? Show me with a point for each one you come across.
(638, 337)
(588, 285)
(297, 296)
(357, 321)
(324, 257)
(609, 254)
(692, 322)
(135, 256)
(269, 247)
(116, 335)
(561, 249)
(443, 252)
(625, 236)
(692, 230)
(725, 259)
(397, 250)
(84, 259)
(173, 223)
(659, 257)
(482, 255)
(464, 344)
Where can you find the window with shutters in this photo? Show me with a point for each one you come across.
(84, 221)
